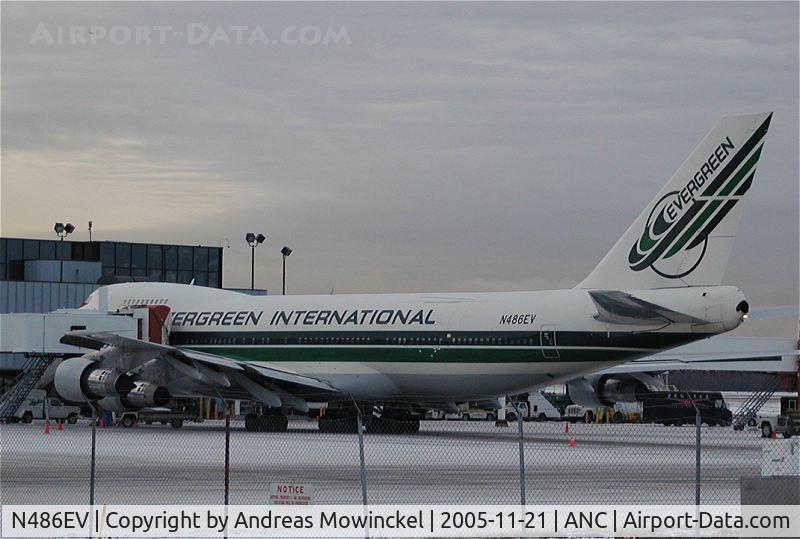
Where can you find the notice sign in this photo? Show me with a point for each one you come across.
(291, 494)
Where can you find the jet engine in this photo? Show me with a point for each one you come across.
(598, 390)
(143, 395)
(146, 394)
(80, 379)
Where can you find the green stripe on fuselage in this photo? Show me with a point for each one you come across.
(361, 354)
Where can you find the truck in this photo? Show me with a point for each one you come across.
(533, 407)
(37, 405)
(178, 412)
(786, 423)
(677, 407)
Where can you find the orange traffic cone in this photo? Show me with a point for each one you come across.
(566, 428)
(59, 425)
(47, 427)
(101, 423)
(572, 442)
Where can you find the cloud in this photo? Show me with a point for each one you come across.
(447, 147)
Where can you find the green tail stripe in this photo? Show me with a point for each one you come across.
(743, 152)
(726, 190)
(744, 171)
(646, 242)
(694, 227)
(745, 186)
(712, 224)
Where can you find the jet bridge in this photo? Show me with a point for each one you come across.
(39, 333)
(37, 336)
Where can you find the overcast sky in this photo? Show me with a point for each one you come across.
(435, 147)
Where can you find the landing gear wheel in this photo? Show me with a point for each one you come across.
(338, 424)
(276, 423)
(324, 424)
(411, 426)
(250, 422)
(176, 423)
(379, 425)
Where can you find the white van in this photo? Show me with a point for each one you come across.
(33, 407)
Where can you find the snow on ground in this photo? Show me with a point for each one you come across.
(446, 462)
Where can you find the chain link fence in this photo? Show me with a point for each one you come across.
(446, 461)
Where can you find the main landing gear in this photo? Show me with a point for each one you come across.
(344, 419)
(266, 422)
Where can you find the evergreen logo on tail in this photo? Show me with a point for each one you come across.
(682, 220)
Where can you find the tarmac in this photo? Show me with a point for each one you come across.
(446, 462)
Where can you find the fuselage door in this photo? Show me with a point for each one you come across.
(548, 341)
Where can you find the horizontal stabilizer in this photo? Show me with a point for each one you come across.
(769, 313)
(616, 307)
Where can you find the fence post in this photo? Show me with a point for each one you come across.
(697, 421)
(521, 455)
(361, 456)
(227, 452)
(92, 462)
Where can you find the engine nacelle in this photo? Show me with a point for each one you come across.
(595, 391)
(143, 395)
(80, 379)
(113, 404)
(146, 394)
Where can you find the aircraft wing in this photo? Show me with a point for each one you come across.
(208, 373)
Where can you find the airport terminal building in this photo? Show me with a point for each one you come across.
(40, 276)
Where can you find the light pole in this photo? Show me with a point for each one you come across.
(285, 252)
(253, 241)
(62, 231)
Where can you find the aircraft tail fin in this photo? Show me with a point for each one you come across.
(685, 234)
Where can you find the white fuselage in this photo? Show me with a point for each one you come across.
(425, 347)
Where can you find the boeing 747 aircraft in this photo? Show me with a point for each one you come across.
(394, 355)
